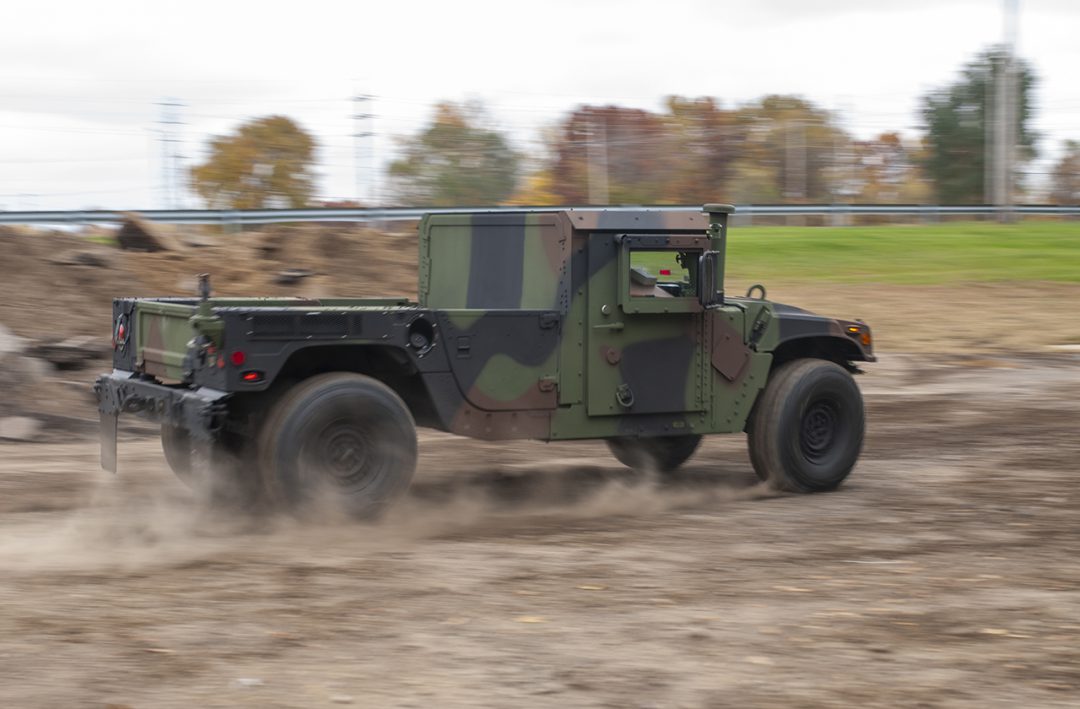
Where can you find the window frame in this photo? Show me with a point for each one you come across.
(656, 242)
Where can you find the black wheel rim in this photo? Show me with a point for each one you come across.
(818, 430)
(342, 453)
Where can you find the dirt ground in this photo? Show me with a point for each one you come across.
(945, 573)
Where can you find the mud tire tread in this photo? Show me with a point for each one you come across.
(280, 439)
(772, 436)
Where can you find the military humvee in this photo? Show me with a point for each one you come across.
(576, 324)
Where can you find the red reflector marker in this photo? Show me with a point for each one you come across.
(252, 376)
(665, 271)
(237, 357)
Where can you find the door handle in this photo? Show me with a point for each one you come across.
(609, 326)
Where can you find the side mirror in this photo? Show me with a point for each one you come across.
(708, 277)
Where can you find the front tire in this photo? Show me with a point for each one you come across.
(339, 437)
(662, 454)
(806, 430)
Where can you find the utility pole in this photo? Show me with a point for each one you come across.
(795, 186)
(363, 130)
(172, 183)
(989, 133)
(795, 168)
(836, 186)
(597, 158)
(1005, 115)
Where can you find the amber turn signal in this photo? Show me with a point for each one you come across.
(861, 333)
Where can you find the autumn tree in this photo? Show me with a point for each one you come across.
(884, 170)
(790, 151)
(695, 151)
(537, 189)
(709, 143)
(266, 162)
(612, 155)
(955, 119)
(1065, 188)
(456, 160)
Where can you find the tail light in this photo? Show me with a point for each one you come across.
(120, 333)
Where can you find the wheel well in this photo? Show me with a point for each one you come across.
(390, 365)
(834, 349)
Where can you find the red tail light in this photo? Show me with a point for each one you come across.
(120, 333)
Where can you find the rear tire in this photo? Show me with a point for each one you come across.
(223, 473)
(806, 430)
(176, 445)
(663, 454)
(340, 437)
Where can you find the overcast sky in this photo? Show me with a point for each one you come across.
(81, 82)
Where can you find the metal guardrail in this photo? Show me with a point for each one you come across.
(238, 217)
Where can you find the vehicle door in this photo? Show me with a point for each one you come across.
(646, 349)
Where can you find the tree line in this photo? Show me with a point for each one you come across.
(779, 148)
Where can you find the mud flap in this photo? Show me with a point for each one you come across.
(108, 428)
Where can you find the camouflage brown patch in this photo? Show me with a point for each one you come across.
(536, 397)
(729, 353)
(501, 425)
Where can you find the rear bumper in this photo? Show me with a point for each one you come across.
(199, 411)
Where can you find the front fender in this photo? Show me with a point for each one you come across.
(784, 329)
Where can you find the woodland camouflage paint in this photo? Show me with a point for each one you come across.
(525, 327)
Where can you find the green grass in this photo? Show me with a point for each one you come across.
(917, 254)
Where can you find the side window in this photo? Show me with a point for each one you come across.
(663, 273)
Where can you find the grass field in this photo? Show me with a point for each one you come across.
(1015, 285)
(967, 252)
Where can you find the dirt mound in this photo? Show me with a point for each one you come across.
(59, 284)
(137, 234)
(342, 261)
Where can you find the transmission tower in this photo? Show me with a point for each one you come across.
(172, 177)
(363, 131)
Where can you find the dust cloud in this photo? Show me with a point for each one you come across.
(145, 518)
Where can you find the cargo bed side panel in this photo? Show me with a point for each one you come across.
(162, 333)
